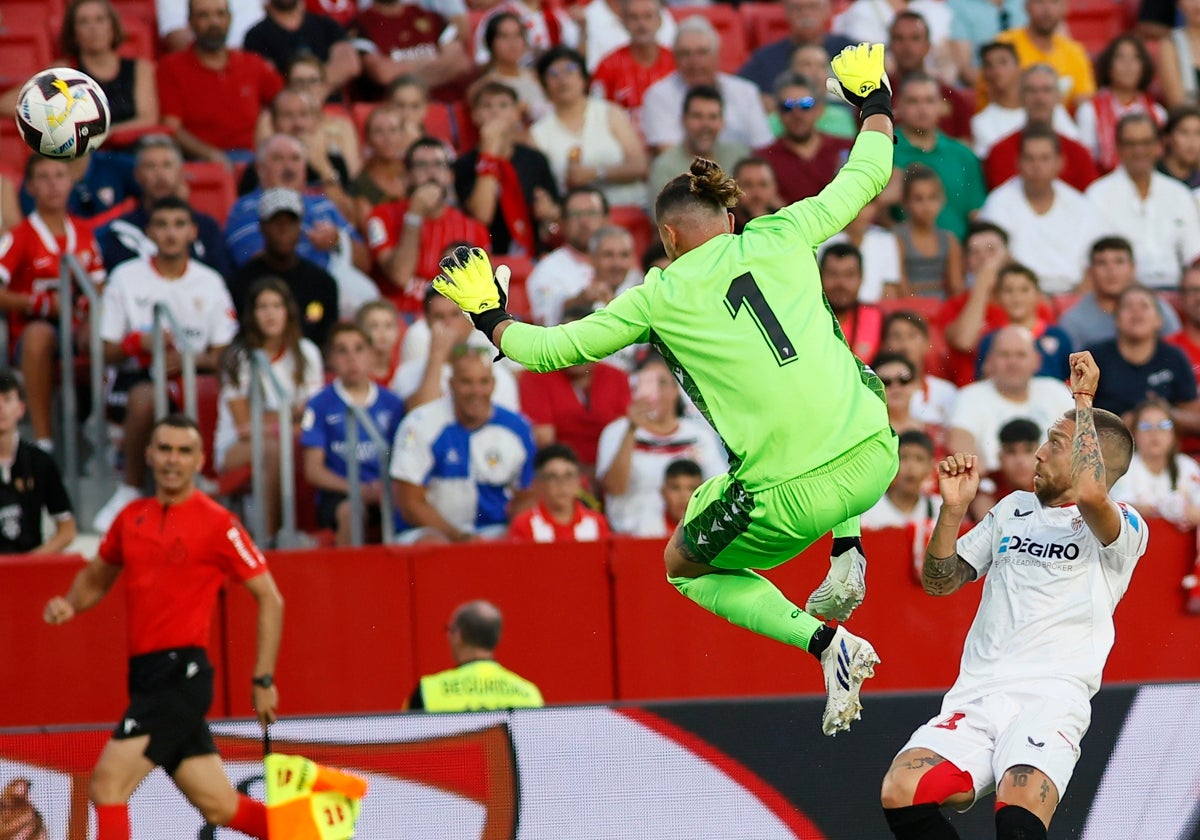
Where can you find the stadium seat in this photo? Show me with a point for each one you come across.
(1095, 22)
(30, 16)
(635, 220)
(518, 298)
(211, 188)
(764, 23)
(440, 123)
(728, 24)
(143, 10)
(141, 41)
(25, 53)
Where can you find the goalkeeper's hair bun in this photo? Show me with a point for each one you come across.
(710, 183)
(704, 185)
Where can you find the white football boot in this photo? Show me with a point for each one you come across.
(848, 662)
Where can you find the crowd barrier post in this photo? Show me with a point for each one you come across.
(165, 322)
(261, 378)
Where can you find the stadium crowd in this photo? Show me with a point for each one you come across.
(286, 176)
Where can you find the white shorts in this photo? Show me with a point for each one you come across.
(990, 734)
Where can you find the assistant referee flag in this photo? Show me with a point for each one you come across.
(306, 801)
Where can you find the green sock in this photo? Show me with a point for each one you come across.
(849, 528)
(749, 600)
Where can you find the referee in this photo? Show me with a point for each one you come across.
(742, 321)
(177, 548)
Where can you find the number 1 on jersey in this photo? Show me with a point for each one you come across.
(744, 289)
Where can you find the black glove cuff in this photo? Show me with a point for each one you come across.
(486, 322)
(878, 101)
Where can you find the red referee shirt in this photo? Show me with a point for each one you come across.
(176, 557)
(220, 107)
(386, 224)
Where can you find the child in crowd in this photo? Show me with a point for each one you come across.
(270, 322)
(29, 483)
(559, 515)
(1018, 292)
(323, 433)
(906, 500)
(880, 249)
(680, 481)
(1019, 441)
(932, 257)
(380, 321)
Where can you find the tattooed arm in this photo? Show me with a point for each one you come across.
(1089, 479)
(944, 571)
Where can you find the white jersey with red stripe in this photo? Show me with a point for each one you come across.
(1048, 598)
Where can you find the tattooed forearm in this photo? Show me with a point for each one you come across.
(943, 575)
(1087, 464)
(922, 762)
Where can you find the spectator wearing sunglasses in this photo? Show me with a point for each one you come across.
(1160, 481)
(899, 377)
(804, 159)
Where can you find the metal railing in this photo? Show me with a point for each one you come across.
(165, 322)
(73, 276)
(383, 449)
(262, 376)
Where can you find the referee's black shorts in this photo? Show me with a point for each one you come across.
(170, 692)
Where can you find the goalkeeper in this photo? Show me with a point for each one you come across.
(743, 323)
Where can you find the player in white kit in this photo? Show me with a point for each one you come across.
(1057, 562)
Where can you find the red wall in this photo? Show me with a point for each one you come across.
(586, 622)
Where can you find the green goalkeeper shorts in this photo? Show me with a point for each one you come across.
(729, 527)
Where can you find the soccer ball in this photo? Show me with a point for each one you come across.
(63, 113)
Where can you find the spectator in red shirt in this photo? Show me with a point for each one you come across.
(503, 183)
(558, 515)
(176, 548)
(841, 278)
(624, 74)
(407, 237)
(804, 159)
(211, 95)
(573, 405)
(1040, 98)
(30, 256)
(908, 47)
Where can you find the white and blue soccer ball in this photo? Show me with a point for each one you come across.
(63, 113)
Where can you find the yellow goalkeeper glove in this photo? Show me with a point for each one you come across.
(861, 80)
(467, 279)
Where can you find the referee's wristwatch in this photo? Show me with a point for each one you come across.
(264, 680)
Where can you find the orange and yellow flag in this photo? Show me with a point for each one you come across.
(306, 801)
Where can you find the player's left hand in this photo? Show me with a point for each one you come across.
(467, 279)
(860, 80)
(265, 702)
(958, 479)
(1085, 373)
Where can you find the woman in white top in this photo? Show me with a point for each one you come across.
(634, 451)
(587, 141)
(1160, 481)
(270, 322)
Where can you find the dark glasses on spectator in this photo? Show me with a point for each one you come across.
(1161, 425)
(889, 381)
(804, 103)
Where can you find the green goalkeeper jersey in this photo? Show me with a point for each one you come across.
(745, 326)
